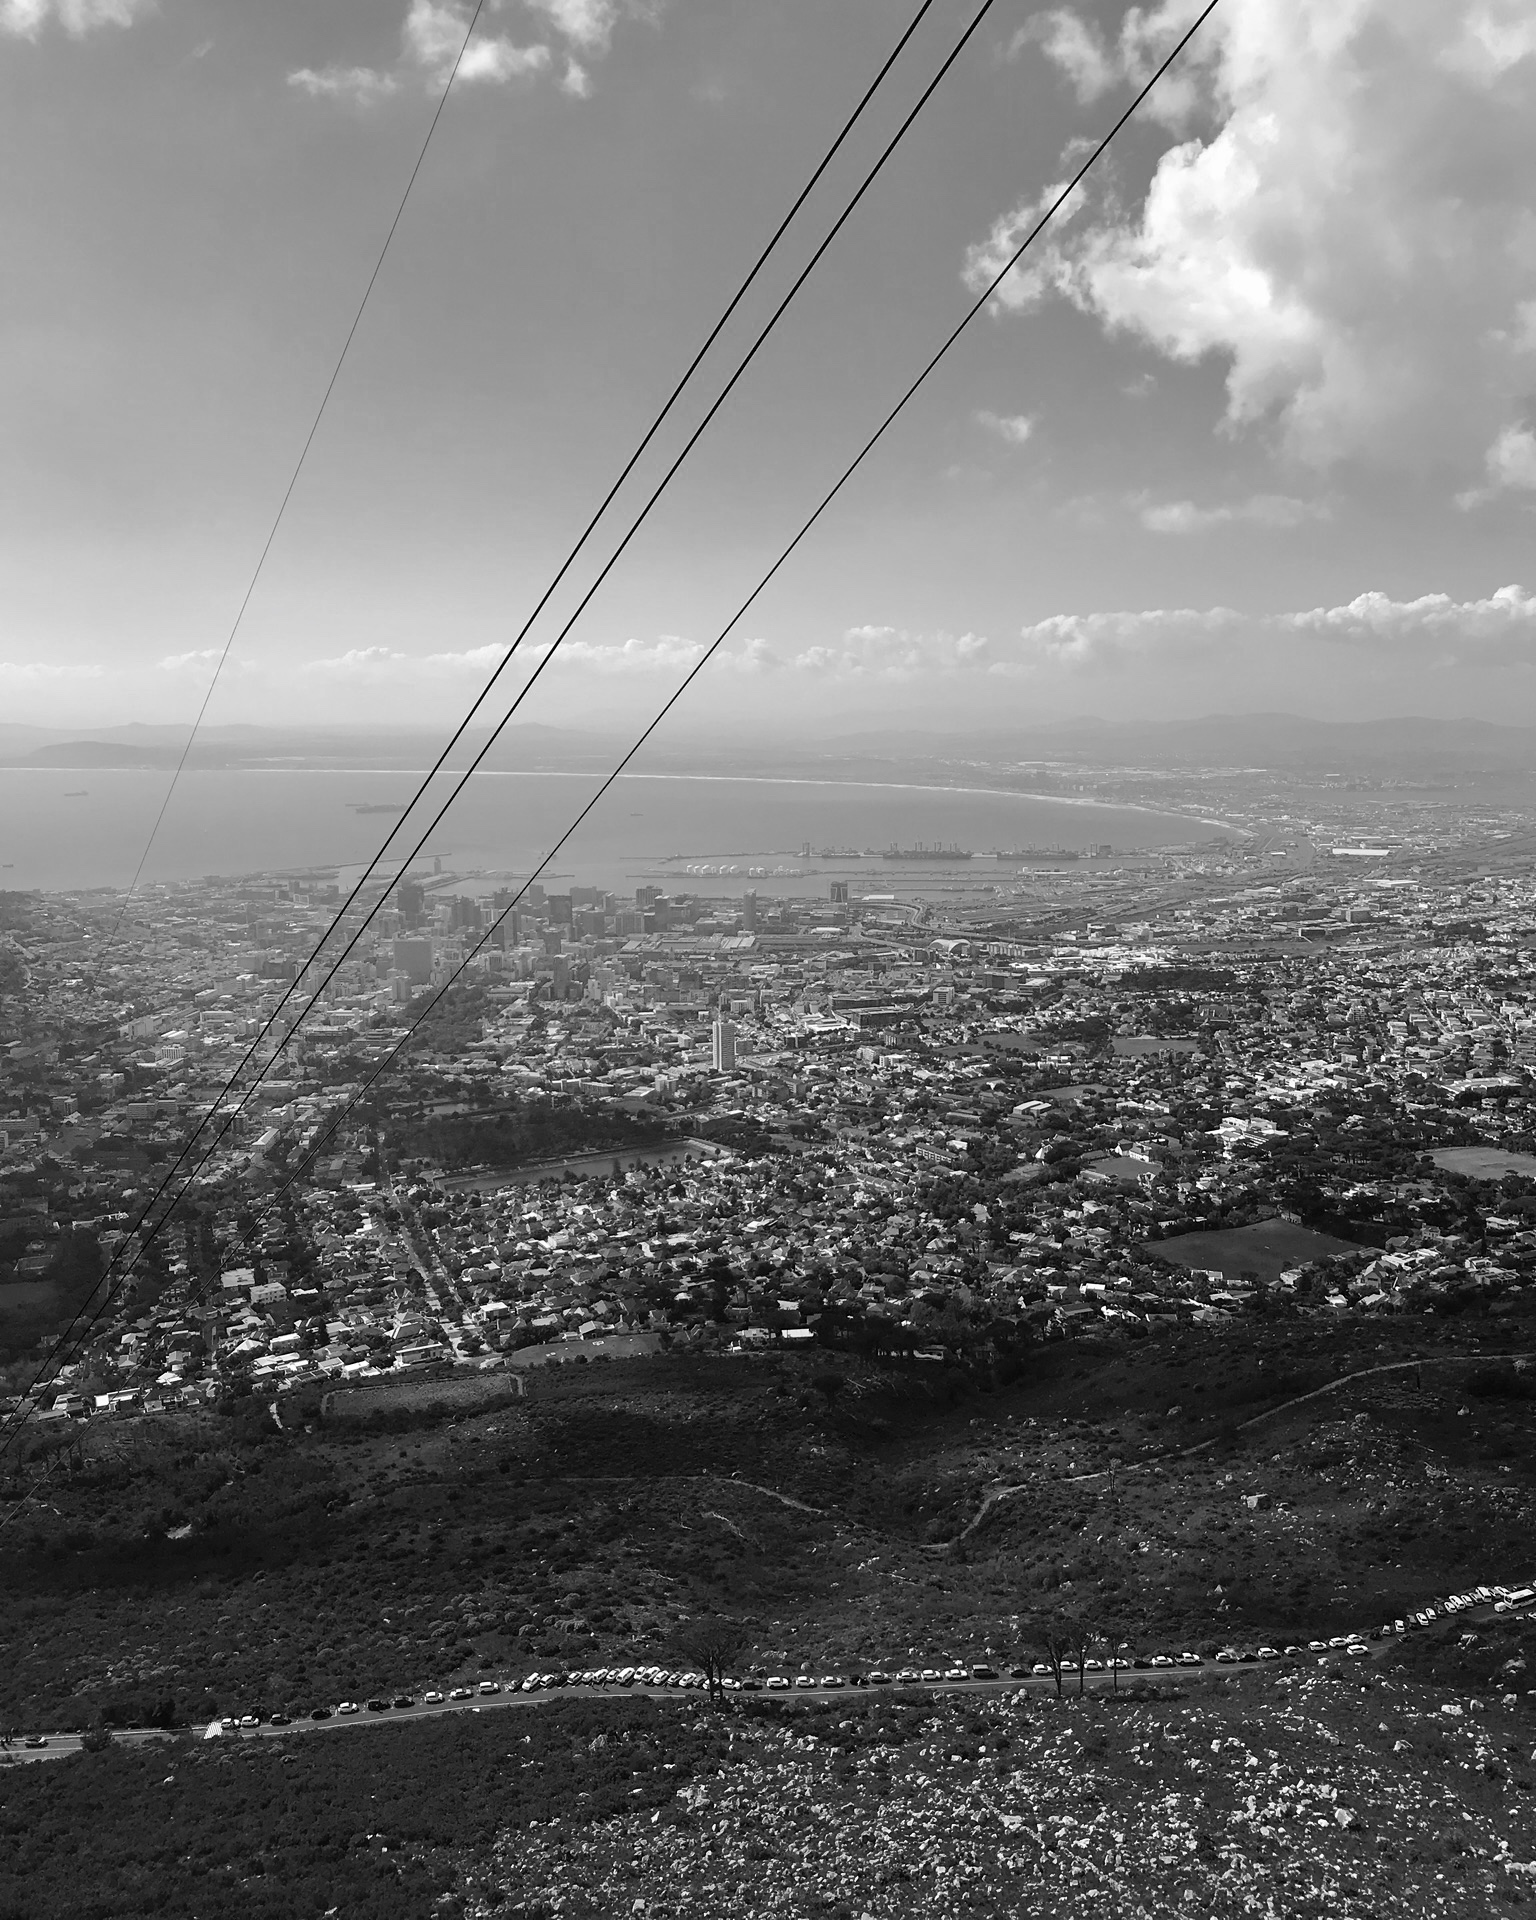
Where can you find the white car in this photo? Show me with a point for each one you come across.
(777, 1682)
(1163, 1660)
(1357, 1647)
(877, 1678)
(1190, 1660)
(346, 1706)
(455, 1693)
(432, 1698)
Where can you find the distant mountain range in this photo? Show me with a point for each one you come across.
(1412, 746)
(138, 747)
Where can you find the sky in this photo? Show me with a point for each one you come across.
(1253, 427)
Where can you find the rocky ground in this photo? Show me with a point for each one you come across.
(1324, 1794)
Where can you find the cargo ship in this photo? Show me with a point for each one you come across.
(921, 852)
(1038, 853)
(377, 806)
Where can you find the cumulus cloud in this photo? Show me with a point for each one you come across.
(588, 25)
(1350, 225)
(1434, 629)
(198, 657)
(1078, 640)
(27, 18)
(1277, 510)
(356, 86)
(892, 653)
(666, 654)
(1015, 428)
(1512, 459)
(433, 34)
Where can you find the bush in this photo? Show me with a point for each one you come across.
(1499, 1381)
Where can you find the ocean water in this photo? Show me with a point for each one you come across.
(65, 830)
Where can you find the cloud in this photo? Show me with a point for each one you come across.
(1276, 510)
(1511, 460)
(199, 657)
(666, 654)
(1015, 428)
(434, 32)
(1433, 629)
(1501, 627)
(357, 86)
(589, 24)
(431, 37)
(1078, 640)
(892, 653)
(27, 18)
(37, 673)
(1351, 230)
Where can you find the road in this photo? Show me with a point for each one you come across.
(60, 1745)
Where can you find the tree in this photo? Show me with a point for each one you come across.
(1067, 1638)
(713, 1645)
(829, 1385)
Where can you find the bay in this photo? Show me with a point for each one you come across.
(67, 830)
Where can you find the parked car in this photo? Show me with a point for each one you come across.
(878, 1678)
(461, 1693)
(490, 1686)
(777, 1682)
(320, 1713)
(346, 1706)
(278, 1720)
(432, 1698)
(980, 1671)
(378, 1705)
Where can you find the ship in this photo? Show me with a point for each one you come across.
(840, 853)
(1038, 853)
(78, 793)
(921, 852)
(377, 806)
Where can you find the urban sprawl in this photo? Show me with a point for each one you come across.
(1256, 1076)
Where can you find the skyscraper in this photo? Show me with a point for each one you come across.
(724, 1050)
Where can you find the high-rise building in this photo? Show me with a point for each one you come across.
(749, 912)
(723, 1051)
(413, 958)
(839, 893)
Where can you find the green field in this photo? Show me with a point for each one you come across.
(1266, 1248)
(1485, 1163)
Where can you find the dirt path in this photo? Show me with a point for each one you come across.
(999, 1494)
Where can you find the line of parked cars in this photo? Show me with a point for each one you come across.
(1352, 1645)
